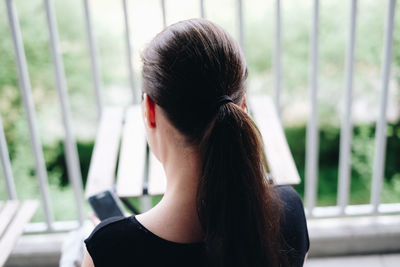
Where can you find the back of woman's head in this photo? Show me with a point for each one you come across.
(187, 68)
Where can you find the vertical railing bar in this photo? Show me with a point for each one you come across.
(277, 57)
(240, 23)
(95, 69)
(69, 144)
(164, 14)
(202, 11)
(380, 138)
(129, 52)
(24, 84)
(312, 126)
(6, 165)
(347, 128)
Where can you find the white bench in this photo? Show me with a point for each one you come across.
(140, 173)
(13, 217)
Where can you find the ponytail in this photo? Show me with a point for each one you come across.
(236, 205)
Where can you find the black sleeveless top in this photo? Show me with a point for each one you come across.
(120, 241)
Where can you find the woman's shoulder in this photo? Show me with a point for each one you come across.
(293, 223)
(291, 206)
(116, 236)
(121, 229)
(289, 196)
(108, 226)
(291, 201)
(116, 241)
(112, 236)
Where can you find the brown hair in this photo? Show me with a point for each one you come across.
(187, 67)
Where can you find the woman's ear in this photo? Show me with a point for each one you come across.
(149, 111)
(244, 103)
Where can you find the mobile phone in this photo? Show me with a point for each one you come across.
(105, 205)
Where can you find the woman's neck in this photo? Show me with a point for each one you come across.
(183, 170)
(175, 217)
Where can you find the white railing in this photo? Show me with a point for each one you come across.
(346, 129)
(342, 209)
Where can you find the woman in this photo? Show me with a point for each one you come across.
(218, 208)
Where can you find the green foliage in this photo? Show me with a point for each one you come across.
(361, 162)
(57, 162)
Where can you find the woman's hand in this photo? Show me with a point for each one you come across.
(93, 218)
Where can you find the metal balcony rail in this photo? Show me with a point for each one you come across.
(342, 208)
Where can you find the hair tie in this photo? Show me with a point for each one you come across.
(222, 100)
